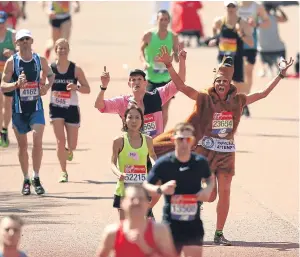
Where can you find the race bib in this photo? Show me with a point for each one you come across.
(183, 207)
(149, 125)
(61, 98)
(222, 123)
(135, 174)
(159, 67)
(30, 92)
(228, 46)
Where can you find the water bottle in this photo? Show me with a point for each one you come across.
(282, 64)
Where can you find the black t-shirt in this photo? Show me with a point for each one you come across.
(181, 207)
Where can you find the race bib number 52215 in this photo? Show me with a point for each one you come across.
(183, 207)
(135, 174)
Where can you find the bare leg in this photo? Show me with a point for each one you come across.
(22, 152)
(37, 149)
(59, 131)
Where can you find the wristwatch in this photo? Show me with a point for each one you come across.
(280, 75)
(158, 190)
(102, 88)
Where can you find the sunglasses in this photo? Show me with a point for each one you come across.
(182, 138)
(231, 6)
(24, 38)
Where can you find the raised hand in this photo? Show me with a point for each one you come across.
(164, 56)
(284, 65)
(181, 52)
(105, 78)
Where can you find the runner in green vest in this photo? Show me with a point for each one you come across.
(157, 73)
(7, 48)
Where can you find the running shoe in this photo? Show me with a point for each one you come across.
(37, 186)
(69, 155)
(4, 138)
(64, 178)
(26, 187)
(221, 240)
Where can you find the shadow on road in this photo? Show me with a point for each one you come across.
(94, 182)
(80, 197)
(276, 119)
(266, 135)
(44, 164)
(33, 209)
(280, 246)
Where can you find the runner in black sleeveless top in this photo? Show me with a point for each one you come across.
(230, 33)
(64, 110)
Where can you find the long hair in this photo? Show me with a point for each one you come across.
(133, 107)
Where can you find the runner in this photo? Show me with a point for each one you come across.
(270, 45)
(7, 49)
(157, 75)
(60, 19)
(130, 151)
(22, 75)
(231, 33)
(10, 235)
(150, 102)
(64, 105)
(216, 116)
(13, 11)
(257, 17)
(181, 173)
(136, 236)
(186, 20)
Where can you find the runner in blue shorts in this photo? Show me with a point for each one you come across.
(22, 75)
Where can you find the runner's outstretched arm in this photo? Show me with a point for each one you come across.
(251, 98)
(167, 60)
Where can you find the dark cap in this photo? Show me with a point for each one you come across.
(3, 16)
(137, 72)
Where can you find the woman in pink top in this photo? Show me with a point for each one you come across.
(150, 102)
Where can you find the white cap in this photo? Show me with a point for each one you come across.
(23, 33)
(226, 3)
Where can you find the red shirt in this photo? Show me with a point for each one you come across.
(125, 248)
(185, 16)
(9, 8)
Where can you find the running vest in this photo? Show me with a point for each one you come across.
(60, 96)
(132, 162)
(152, 103)
(61, 9)
(246, 12)
(27, 99)
(124, 248)
(230, 43)
(157, 72)
(8, 44)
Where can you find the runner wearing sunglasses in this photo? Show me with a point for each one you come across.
(180, 173)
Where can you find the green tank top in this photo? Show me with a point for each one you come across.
(132, 162)
(6, 43)
(157, 72)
